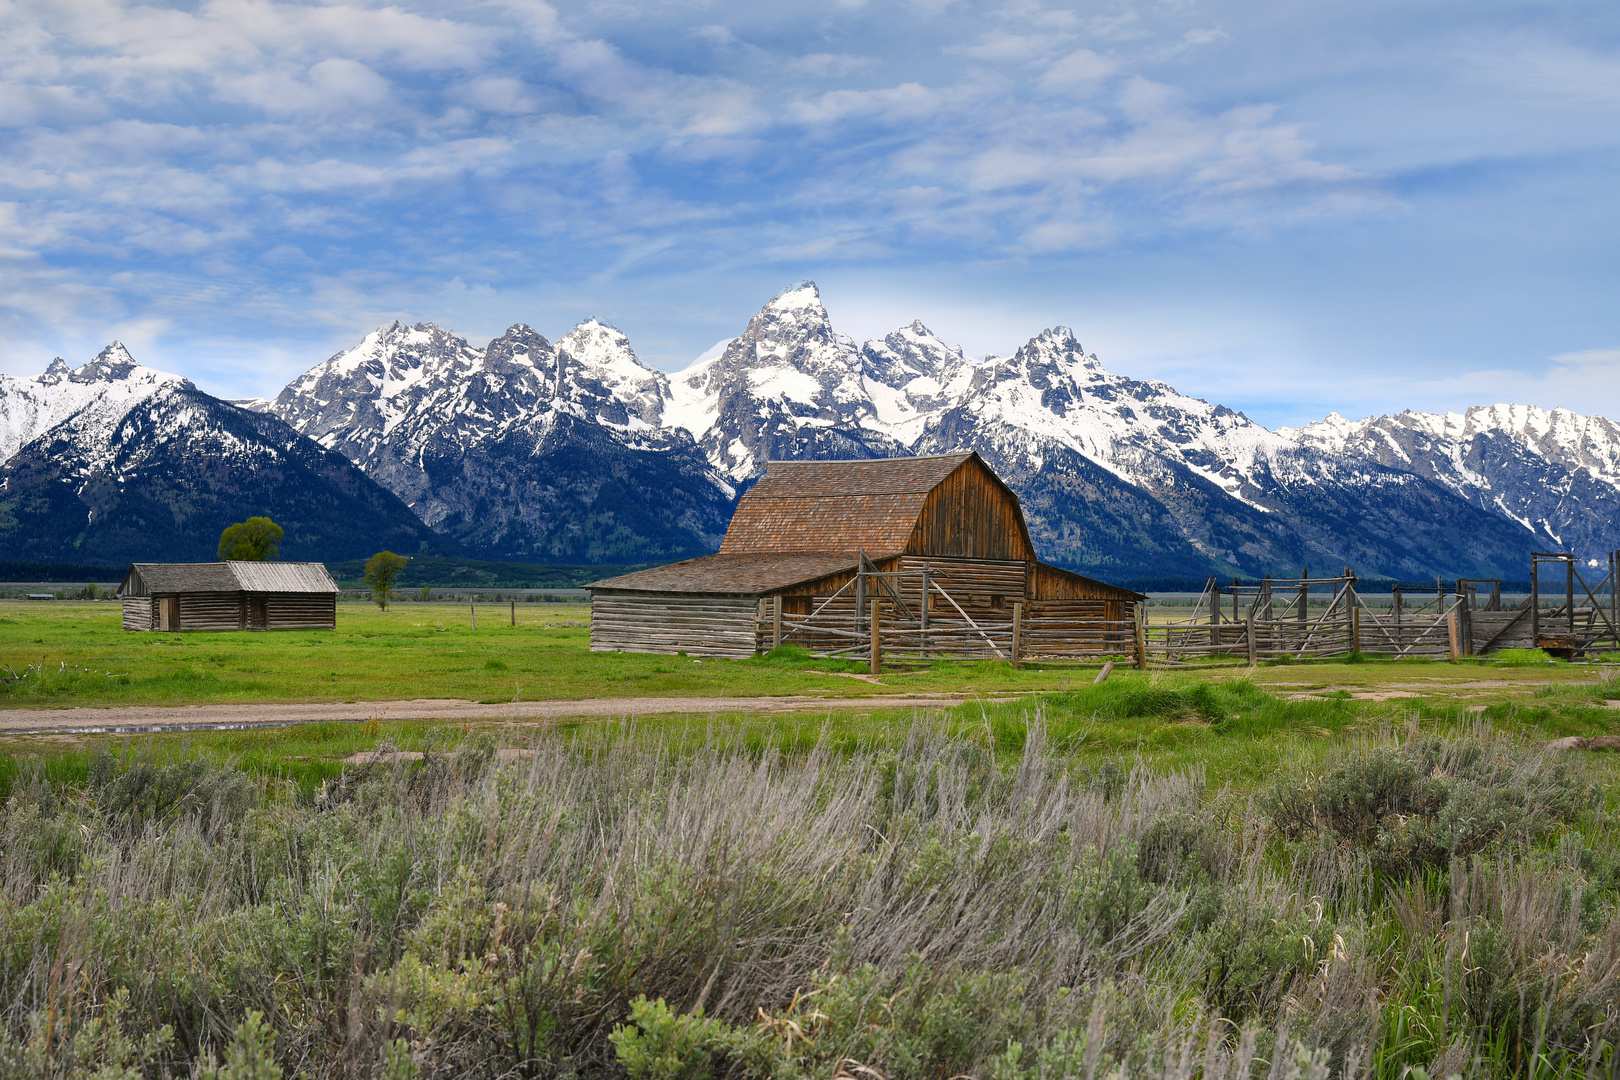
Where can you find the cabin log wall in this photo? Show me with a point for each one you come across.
(235, 611)
(140, 613)
(300, 611)
(210, 611)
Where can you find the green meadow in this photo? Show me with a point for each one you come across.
(74, 654)
(1314, 870)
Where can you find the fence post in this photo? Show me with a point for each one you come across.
(877, 645)
(1535, 603)
(1355, 611)
(1254, 656)
(1451, 633)
(1465, 627)
(922, 637)
(514, 612)
(1018, 632)
(1569, 592)
(1141, 636)
(472, 610)
(860, 592)
(776, 622)
(1304, 600)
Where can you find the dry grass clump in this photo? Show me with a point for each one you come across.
(611, 907)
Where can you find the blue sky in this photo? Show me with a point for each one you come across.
(1286, 207)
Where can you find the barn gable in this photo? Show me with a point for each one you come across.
(948, 505)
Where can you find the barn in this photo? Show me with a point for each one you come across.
(229, 596)
(920, 557)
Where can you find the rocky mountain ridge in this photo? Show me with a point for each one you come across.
(575, 450)
(523, 449)
(1119, 476)
(114, 462)
(1555, 472)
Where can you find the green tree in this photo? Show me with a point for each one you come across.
(381, 571)
(255, 540)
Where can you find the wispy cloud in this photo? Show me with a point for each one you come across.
(211, 170)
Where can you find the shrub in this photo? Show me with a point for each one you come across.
(198, 790)
(1421, 804)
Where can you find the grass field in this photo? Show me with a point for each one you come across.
(1300, 870)
(417, 650)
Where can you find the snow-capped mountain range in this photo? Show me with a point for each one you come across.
(574, 450)
(1555, 472)
(113, 462)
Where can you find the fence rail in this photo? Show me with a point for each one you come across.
(928, 613)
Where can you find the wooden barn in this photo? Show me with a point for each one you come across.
(229, 596)
(909, 557)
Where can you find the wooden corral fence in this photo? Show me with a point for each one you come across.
(1571, 629)
(1263, 621)
(1318, 617)
(958, 609)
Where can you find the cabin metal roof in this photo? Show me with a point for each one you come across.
(822, 506)
(283, 577)
(742, 575)
(150, 579)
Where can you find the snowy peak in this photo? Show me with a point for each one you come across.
(1554, 471)
(104, 390)
(110, 365)
(600, 374)
(521, 347)
(1556, 435)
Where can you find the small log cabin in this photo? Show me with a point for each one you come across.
(938, 544)
(229, 596)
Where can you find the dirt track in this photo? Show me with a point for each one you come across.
(157, 718)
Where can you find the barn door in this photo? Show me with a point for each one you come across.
(258, 613)
(169, 613)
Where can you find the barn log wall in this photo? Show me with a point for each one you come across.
(984, 590)
(140, 613)
(693, 623)
(1052, 583)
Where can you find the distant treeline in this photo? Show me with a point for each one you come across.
(74, 572)
(441, 572)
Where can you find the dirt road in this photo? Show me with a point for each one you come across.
(180, 718)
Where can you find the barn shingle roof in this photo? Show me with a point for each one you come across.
(842, 506)
(743, 575)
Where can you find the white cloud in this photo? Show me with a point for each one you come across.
(1080, 70)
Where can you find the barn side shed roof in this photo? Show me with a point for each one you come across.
(844, 506)
(741, 575)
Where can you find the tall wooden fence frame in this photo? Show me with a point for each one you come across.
(920, 613)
